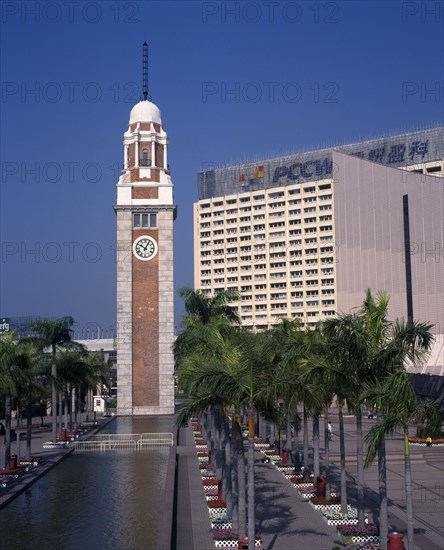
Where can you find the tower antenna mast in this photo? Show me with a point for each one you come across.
(145, 71)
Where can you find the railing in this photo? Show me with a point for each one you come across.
(136, 442)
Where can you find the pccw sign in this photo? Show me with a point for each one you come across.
(4, 325)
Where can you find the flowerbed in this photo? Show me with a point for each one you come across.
(211, 482)
(216, 511)
(284, 468)
(336, 518)
(262, 445)
(301, 481)
(221, 523)
(317, 501)
(422, 442)
(323, 505)
(370, 530)
(271, 452)
(226, 538)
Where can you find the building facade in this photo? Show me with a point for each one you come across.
(145, 295)
(304, 236)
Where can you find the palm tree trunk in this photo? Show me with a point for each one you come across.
(316, 445)
(66, 401)
(327, 457)
(29, 425)
(71, 405)
(305, 439)
(227, 484)
(7, 430)
(251, 496)
(234, 476)
(408, 490)
(54, 400)
(241, 484)
(17, 433)
(76, 407)
(295, 450)
(383, 518)
(288, 439)
(342, 455)
(360, 467)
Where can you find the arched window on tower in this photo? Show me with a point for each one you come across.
(145, 160)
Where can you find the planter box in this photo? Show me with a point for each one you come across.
(425, 444)
(284, 469)
(232, 543)
(307, 495)
(221, 523)
(366, 538)
(303, 484)
(217, 512)
(349, 519)
(312, 495)
(328, 507)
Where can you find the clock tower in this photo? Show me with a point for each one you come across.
(145, 295)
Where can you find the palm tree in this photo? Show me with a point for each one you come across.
(11, 378)
(229, 372)
(409, 342)
(206, 308)
(203, 343)
(32, 379)
(53, 334)
(348, 350)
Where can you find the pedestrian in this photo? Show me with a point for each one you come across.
(329, 431)
(429, 441)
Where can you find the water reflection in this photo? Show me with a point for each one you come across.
(93, 501)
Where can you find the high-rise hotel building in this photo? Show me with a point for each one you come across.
(304, 236)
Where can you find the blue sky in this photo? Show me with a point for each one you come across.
(234, 81)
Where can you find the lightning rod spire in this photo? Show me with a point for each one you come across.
(145, 71)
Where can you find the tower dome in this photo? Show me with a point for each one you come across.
(145, 111)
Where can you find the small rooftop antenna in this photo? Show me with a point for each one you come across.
(145, 71)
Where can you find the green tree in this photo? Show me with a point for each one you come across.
(11, 379)
(409, 342)
(53, 334)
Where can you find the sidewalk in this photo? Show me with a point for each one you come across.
(193, 530)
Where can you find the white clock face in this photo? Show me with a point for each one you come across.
(145, 248)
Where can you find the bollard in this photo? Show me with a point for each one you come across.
(284, 455)
(395, 541)
(321, 485)
(219, 489)
(13, 462)
(242, 544)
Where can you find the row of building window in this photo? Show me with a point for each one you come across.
(271, 195)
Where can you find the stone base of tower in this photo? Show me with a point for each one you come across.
(165, 405)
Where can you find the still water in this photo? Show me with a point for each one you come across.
(107, 500)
